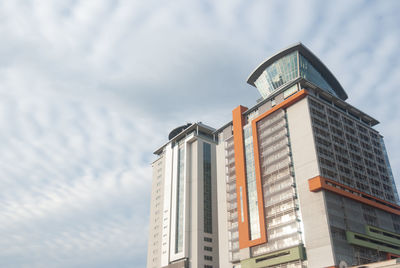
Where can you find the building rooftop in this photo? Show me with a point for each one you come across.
(288, 65)
(178, 133)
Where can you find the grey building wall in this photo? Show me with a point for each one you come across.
(350, 152)
(317, 238)
(222, 205)
(204, 245)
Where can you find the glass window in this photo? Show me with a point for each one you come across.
(179, 201)
(252, 198)
(287, 69)
(241, 204)
(207, 188)
(288, 92)
(389, 171)
(308, 72)
(277, 74)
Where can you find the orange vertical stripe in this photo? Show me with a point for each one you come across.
(240, 169)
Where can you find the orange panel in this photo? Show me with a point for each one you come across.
(284, 104)
(240, 170)
(320, 183)
(315, 184)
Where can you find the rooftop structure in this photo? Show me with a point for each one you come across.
(290, 64)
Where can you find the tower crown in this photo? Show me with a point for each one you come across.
(292, 63)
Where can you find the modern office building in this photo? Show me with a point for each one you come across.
(183, 217)
(303, 179)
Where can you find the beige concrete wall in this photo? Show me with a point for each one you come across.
(222, 205)
(196, 233)
(156, 206)
(173, 205)
(194, 199)
(168, 179)
(312, 205)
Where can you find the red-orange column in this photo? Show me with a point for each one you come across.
(240, 169)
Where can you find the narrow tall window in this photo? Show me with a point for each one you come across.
(207, 188)
(179, 201)
(252, 197)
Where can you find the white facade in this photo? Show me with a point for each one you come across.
(187, 240)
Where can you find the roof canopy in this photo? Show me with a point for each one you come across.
(306, 65)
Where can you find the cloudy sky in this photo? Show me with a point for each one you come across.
(88, 90)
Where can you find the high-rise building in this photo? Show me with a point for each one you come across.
(303, 179)
(183, 218)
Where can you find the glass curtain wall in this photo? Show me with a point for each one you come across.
(287, 69)
(254, 219)
(277, 74)
(308, 72)
(207, 188)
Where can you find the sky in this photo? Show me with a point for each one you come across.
(89, 89)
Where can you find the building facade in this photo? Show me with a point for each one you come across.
(183, 218)
(303, 179)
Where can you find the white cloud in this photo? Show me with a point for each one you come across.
(72, 173)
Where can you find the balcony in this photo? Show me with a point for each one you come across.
(232, 206)
(267, 140)
(271, 120)
(270, 131)
(232, 226)
(231, 188)
(276, 148)
(231, 197)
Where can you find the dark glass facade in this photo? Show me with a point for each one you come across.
(207, 188)
(179, 201)
(288, 69)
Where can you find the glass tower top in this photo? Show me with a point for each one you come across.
(290, 64)
(277, 74)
